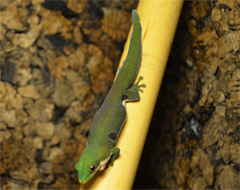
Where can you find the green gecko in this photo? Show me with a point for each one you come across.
(108, 121)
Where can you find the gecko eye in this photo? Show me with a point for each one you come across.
(92, 168)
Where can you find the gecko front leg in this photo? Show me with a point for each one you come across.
(132, 94)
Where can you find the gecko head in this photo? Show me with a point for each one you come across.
(87, 166)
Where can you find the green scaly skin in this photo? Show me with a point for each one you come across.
(109, 119)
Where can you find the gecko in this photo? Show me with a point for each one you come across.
(109, 119)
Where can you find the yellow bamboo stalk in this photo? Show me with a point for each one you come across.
(159, 20)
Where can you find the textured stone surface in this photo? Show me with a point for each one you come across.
(63, 94)
(56, 69)
(227, 179)
(45, 130)
(28, 91)
(200, 88)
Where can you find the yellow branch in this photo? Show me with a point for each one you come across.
(159, 20)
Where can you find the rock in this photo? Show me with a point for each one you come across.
(46, 168)
(35, 183)
(212, 68)
(197, 183)
(38, 143)
(22, 117)
(221, 110)
(69, 146)
(80, 86)
(5, 135)
(55, 23)
(63, 129)
(76, 6)
(45, 130)
(216, 15)
(23, 75)
(187, 109)
(192, 127)
(28, 92)
(15, 185)
(210, 134)
(76, 60)
(13, 101)
(9, 88)
(115, 23)
(9, 117)
(27, 102)
(200, 159)
(62, 182)
(235, 153)
(55, 140)
(3, 126)
(8, 70)
(235, 90)
(41, 110)
(46, 151)
(26, 174)
(207, 37)
(227, 179)
(219, 97)
(205, 92)
(3, 31)
(58, 67)
(9, 96)
(77, 32)
(55, 152)
(74, 113)
(225, 149)
(63, 94)
(12, 18)
(49, 179)
(180, 165)
(25, 40)
(100, 69)
(30, 128)
(2, 90)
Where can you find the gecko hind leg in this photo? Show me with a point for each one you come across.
(115, 153)
(132, 94)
